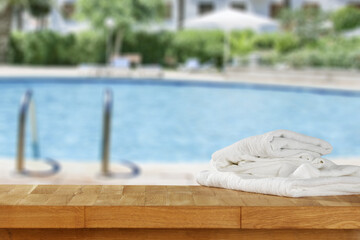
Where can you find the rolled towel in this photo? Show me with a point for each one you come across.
(277, 153)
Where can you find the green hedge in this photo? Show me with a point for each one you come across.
(346, 18)
(331, 52)
(205, 45)
(170, 49)
(270, 58)
(16, 50)
(241, 42)
(42, 48)
(50, 48)
(286, 43)
(264, 41)
(281, 42)
(330, 59)
(152, 47)
(90, 47)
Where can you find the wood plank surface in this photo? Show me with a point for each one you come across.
(112, 195)
(162, 217)
(41, 217)
(110, 206)
(300, 217)
(175, 234)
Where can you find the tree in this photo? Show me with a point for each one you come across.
(40, 9)
(307, 24)
(7, 8)
(6, 13)
(346, 18)
(125, 14)
(287, 4)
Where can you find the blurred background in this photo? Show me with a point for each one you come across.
(310, 34)
(188, 77)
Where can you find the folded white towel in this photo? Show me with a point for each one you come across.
(277, 153)
(347, 184)
(281, 163)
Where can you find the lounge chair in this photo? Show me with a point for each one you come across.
(191, 65)
(194, 65)
(119, 67)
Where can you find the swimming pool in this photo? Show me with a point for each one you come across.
(173, 121)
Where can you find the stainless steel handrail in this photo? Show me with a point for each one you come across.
(108, 103)
(106, 142)
(27, 107)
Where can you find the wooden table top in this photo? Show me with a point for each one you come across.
(114, 195)
(110, 206)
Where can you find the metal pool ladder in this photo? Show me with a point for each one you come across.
(27, 107)
(106, 143)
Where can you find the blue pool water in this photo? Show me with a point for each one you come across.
(157, 121)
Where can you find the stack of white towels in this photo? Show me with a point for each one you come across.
(283, 163)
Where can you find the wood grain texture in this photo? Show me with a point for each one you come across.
(175, 234)
(41, 217)
(162, 217)
(110, 195)
(300, 217)
(35, 206)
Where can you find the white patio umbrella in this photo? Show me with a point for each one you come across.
(229, 20)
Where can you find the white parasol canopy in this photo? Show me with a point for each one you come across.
(230, 19)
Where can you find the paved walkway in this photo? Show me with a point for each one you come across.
(89, 173)
(336, 79)
(83, 173)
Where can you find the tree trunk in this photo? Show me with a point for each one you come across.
(5, 25)
(118, 42)
(40, 23)
(181, 14)
(43, 23)
(19, 18)
(287, 4)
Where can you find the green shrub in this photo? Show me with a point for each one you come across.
(41, 48)
(204, 45)
(346, 18)
(337, 59)
(335, 43)
(153, 47)
(297, 59)
(264, 41)
(355, 59)
(329, 59)
(16, 53)
(65, 50)
(286, 43)
(269, 58)
(50, 48)
(242, 42)
(89, 47)
(307, 24)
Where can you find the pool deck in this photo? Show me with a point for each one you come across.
(73, 172)
(333, 79)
